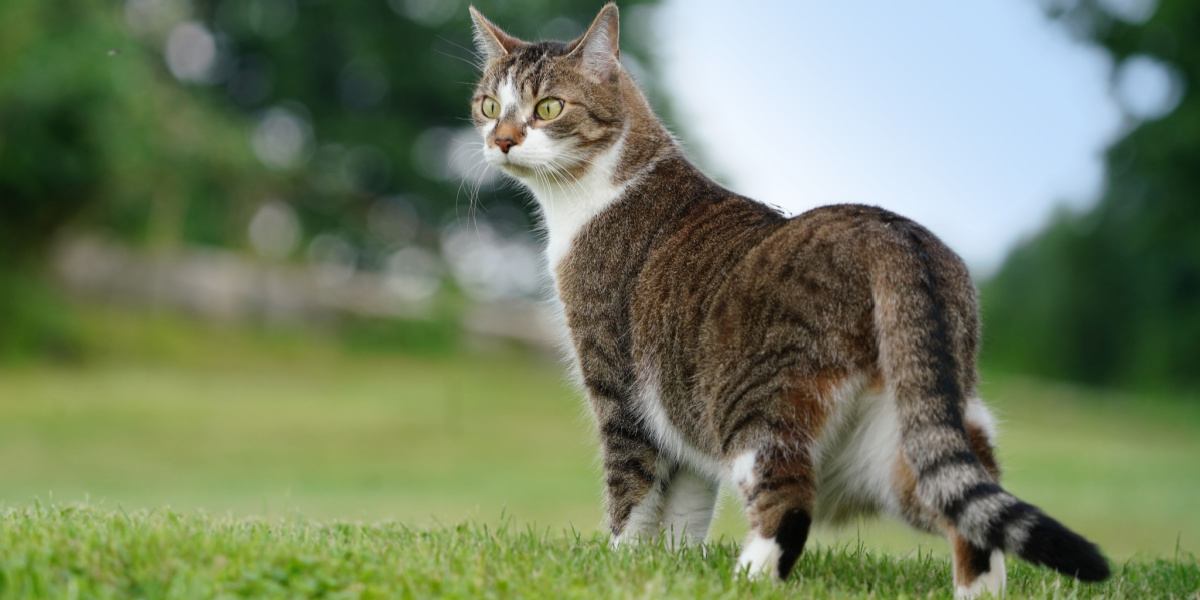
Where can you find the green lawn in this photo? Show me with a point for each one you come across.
(66, 551)
(297, 427)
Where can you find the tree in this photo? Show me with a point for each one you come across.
(1112, 295)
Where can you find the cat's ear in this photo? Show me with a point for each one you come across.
(491, 41)
(599, 47)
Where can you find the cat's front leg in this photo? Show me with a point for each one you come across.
(636, 476)
(688, 504)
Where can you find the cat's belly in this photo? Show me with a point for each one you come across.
(856, 458)
(855, 455)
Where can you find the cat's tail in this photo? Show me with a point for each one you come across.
(918, 285)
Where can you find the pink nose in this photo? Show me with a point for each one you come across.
(504, 144)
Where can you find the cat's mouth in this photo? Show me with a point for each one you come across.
(513, 166)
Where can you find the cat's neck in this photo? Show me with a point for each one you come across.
(568, 204)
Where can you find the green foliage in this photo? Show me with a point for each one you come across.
(93, 128)
(66, 550)
(1113, 296)
(94, 131)
(35, 320)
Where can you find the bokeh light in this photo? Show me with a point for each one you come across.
(333, 258)
(1147, 88)
(412, 273)
(491, 266)
(274, 230)
(1130, 11)
(191, 52)
(282, 137)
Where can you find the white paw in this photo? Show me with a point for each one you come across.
(760, 557)
(624, 541)
(991, 582)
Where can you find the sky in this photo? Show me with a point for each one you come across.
(974, 118)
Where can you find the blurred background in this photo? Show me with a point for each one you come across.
(251, 261)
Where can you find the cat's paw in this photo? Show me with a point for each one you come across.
(989, 584)
(618, 542)
(759, 558)
(629, 539)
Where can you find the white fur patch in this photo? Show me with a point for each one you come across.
(688, 508)
(670, 440)
(508, 97)
(567, 206)
(741, 470)
(977, 413)
(992, 582)
(856, 454)
(759, 557)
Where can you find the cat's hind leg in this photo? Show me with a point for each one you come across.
(777, 486)
(768, 439)
(976, 571)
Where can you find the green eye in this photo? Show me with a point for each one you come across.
(549, 109)
(489, 107)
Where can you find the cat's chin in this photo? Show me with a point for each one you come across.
(524, 172)
(519, 171)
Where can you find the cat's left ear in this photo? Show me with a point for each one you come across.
(491, 41)
(599, 47)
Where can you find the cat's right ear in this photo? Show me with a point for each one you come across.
(490, 40)
(598, 47)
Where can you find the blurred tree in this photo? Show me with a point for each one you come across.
(1112, 295)
(91, 130)
(90, 127)
(223, 121)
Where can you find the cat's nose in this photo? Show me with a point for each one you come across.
(508, 134)
(504, 143)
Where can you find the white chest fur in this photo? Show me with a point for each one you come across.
(567, 206)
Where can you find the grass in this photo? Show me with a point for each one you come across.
(69, 551)
(297, 433)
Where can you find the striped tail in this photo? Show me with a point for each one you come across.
(918, 336)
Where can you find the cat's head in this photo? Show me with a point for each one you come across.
(547, 109)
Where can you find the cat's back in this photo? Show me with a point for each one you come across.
(809, 290)
(828, 256)
(804, 291)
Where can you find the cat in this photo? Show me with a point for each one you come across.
(823, 364)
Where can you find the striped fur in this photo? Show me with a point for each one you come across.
(822, 364)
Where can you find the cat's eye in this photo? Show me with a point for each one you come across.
(489, 107)
(549, 108)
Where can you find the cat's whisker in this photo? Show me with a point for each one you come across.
(479, 62)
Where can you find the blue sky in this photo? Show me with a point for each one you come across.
(975, 118)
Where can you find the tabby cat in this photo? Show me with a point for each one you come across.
(823, 364)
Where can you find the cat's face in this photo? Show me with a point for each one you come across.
(546, 110)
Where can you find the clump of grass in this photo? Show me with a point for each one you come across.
(86, 551)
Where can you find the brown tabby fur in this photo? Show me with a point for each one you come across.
(747, 330)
